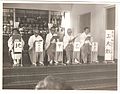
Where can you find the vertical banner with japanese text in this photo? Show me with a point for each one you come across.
(109, 45)
(94, 55)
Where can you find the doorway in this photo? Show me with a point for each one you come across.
(110, 18)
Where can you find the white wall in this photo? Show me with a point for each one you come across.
(98, 23)
(76, 11)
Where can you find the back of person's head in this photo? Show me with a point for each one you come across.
(53, 83)
(40, 85)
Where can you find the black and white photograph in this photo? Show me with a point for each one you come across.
(59, 46)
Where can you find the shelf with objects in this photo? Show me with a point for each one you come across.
(56, 18)
(8, 20)
(31, 19)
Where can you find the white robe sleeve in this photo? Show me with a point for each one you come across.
(65, 41)
(78, 38)
(23, 43)
(82, 39)
(47, 42)
(10, 44)
(30, 42)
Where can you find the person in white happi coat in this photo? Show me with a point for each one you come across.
(16, 56)
(68, 46)
(35, 57)
(59, 54)
(85, 46)
(76, 54)
(50, 45)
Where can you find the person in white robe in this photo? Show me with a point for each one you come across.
(16, 56)
(36, 57)
(68, 46)
(50, 45)
(76, 53)
(85, 46)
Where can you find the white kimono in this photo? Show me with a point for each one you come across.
(83, 36)
(76, 54)
(68, 46)
(59, 54)
(48, 38)
(15, 56)
(85, 48)
(50, 46)
(36, 57)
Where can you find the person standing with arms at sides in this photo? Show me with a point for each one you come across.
(76, 53)
(68, 46)
(36, 57)
(59, 46)
(50, 45)
(16, 44)
(85, 46)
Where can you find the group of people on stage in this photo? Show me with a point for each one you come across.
(49, 54)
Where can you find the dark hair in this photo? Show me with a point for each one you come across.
(62, 29)
(16, 30)
(86, 28)
(52, 28)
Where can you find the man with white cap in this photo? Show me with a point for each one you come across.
(68, 45)
(36, 57)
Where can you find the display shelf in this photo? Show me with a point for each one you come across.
(30, 19)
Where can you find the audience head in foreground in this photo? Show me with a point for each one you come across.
(53, 83)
